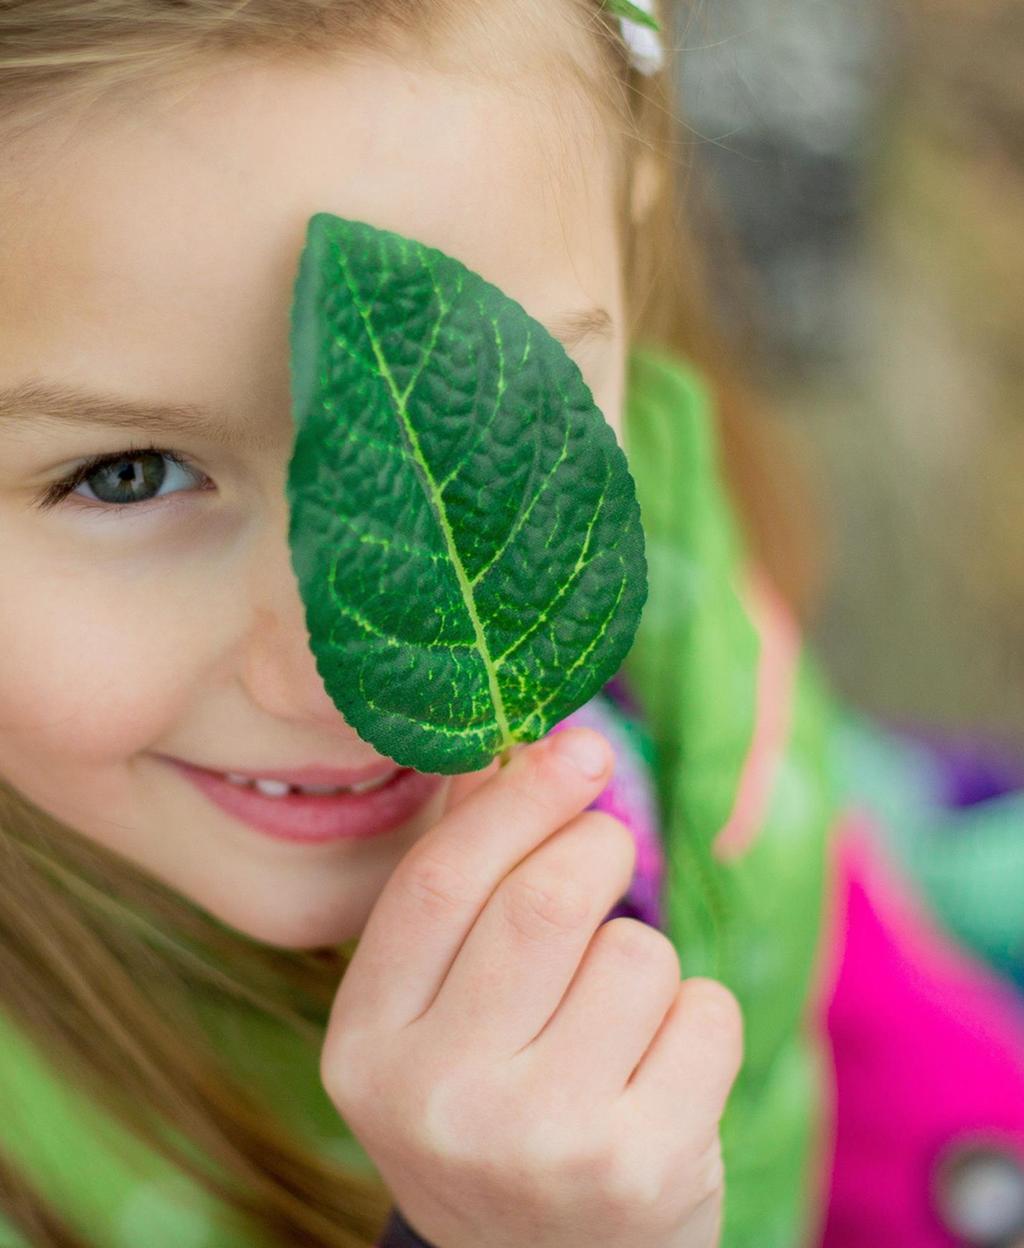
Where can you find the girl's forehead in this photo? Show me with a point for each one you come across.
(155, 248)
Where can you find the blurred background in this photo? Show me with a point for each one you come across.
(865, 162)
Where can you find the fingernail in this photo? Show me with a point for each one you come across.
(586, 750)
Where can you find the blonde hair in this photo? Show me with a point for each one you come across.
(100, 963)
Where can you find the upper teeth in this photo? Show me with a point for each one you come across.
(278, 788)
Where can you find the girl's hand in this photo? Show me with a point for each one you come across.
(518, 1077)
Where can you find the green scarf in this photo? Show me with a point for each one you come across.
(743, 719)
(741, 722)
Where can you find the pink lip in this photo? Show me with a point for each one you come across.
(318, 817)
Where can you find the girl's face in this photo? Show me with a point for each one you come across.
(147, 254)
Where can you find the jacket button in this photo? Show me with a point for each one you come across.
(978, 1194)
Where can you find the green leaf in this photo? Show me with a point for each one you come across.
(464, 528)
(624, 8)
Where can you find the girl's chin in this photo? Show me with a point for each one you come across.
(301, 909)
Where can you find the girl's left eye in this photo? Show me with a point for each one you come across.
(130, 477)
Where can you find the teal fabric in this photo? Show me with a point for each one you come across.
(967, 862)
(755, 924)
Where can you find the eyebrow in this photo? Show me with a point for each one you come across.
(61, 404)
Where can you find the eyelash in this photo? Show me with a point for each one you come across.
(60, 490)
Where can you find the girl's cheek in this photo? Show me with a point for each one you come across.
(95, 669)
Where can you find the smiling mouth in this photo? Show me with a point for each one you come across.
(368, 808)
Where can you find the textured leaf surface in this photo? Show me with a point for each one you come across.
(464, 528)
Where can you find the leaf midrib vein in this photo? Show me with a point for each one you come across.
(399, 400)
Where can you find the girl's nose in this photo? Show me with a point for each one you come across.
(278, 665)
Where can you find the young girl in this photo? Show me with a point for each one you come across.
(226, 1020)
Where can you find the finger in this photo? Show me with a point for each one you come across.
(524, 948)
(625, 985)
(434, 895)
(693, 1060)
